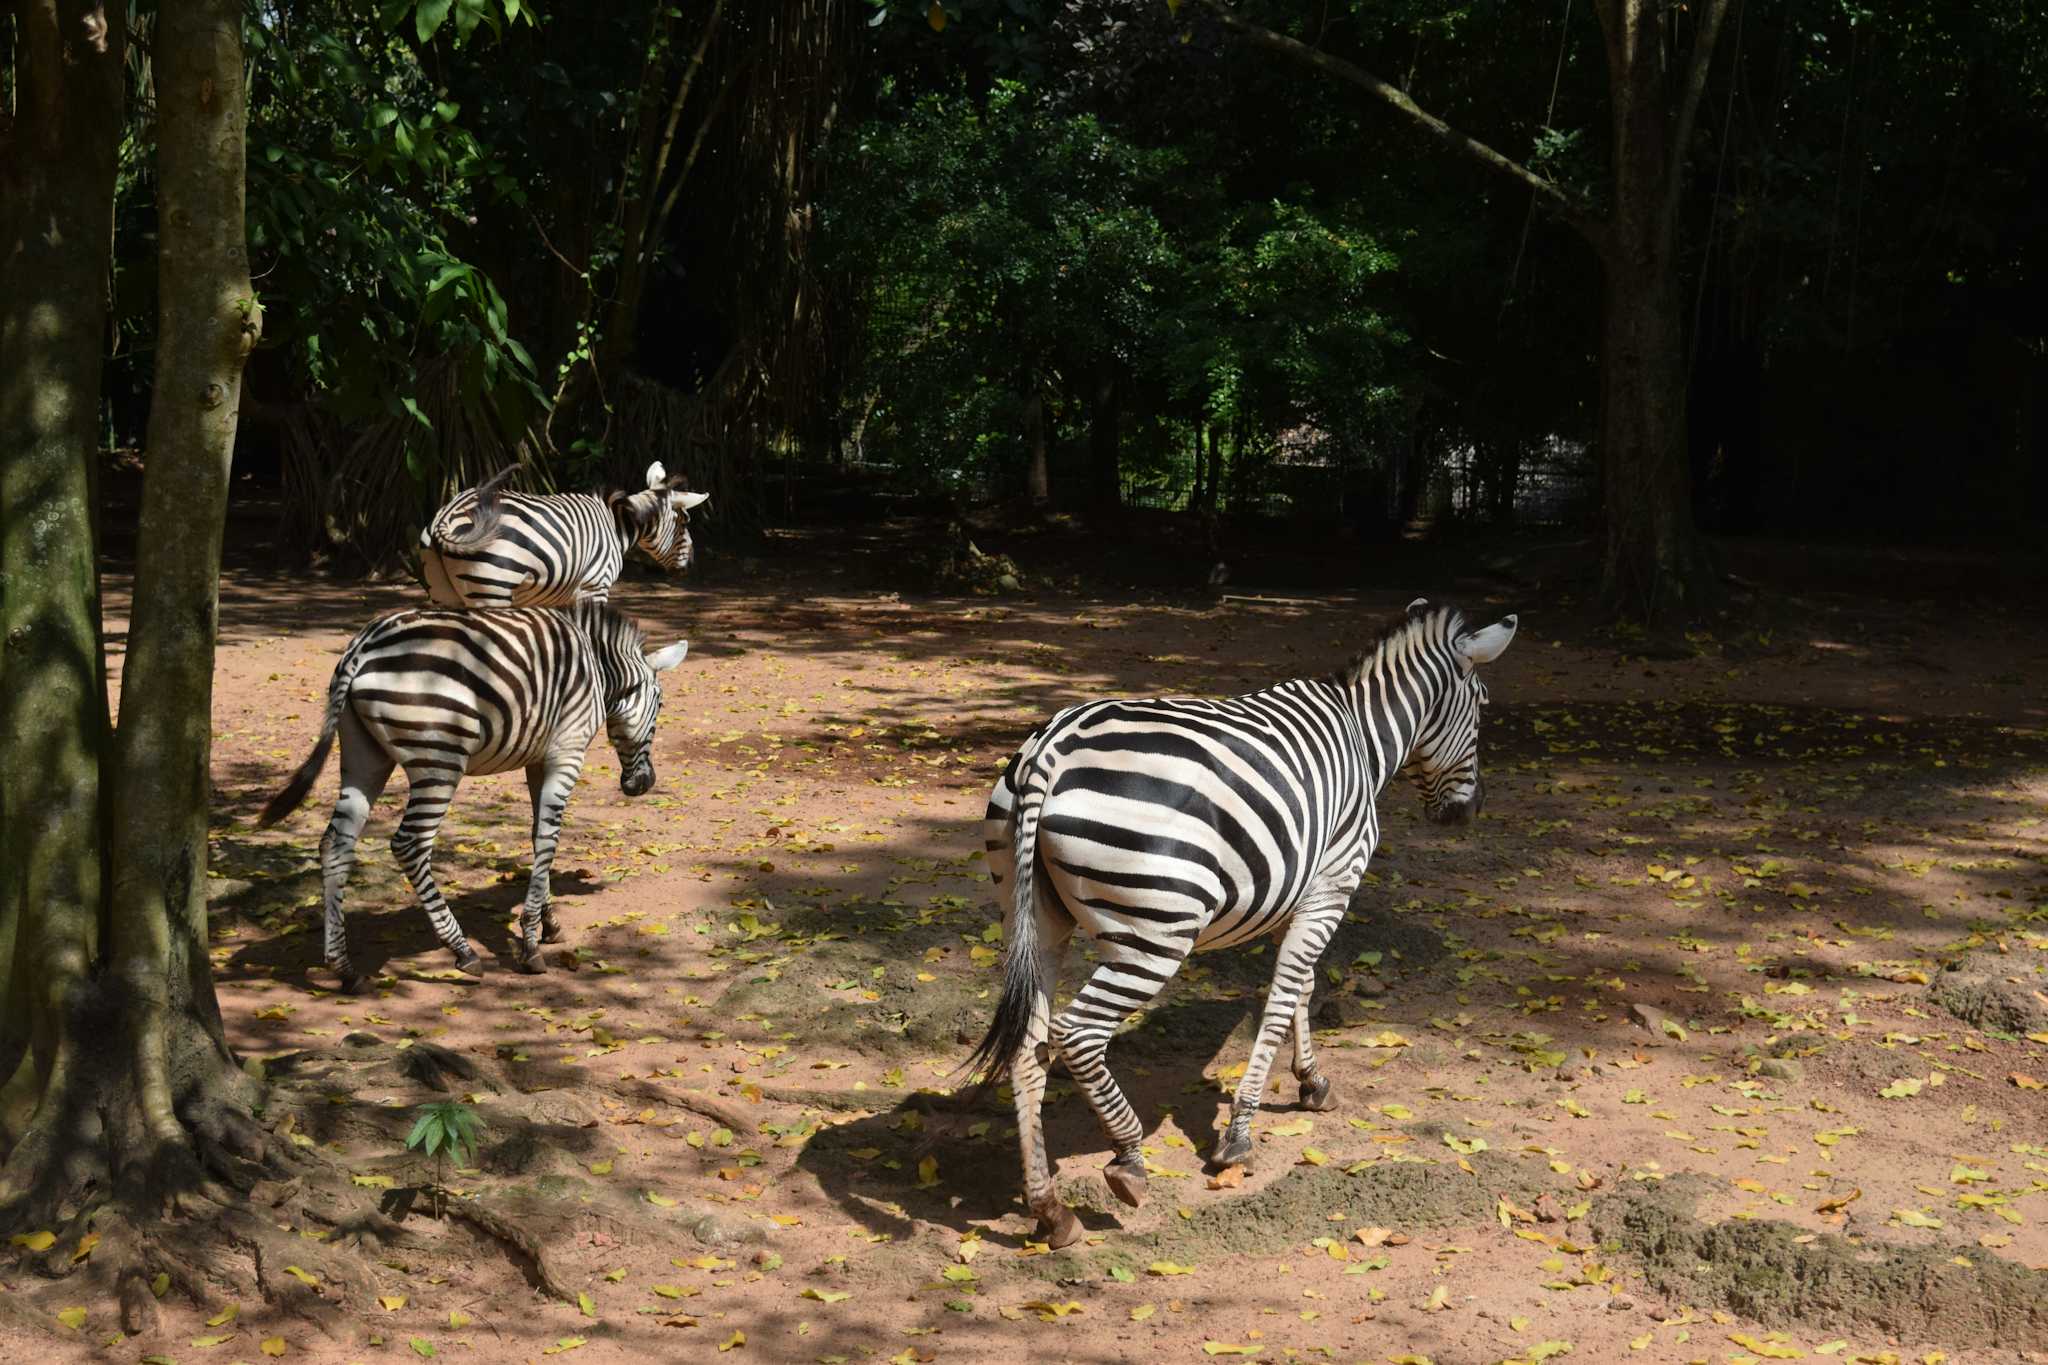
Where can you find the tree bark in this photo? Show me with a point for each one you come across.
(208, 322)
(1654, 566)
(57, 166)
(141, 1105)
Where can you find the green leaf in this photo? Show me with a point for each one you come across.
(429, 17)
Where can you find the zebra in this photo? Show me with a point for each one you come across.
(450, 693)
(489, 548)
(1165, 826)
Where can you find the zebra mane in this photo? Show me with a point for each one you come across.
(608, 627)
(1411, 618)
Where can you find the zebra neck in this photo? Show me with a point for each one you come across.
(610, 638)
(1389, 703)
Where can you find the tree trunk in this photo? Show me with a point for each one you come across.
(644, 219)
(1105, 423)
(1038, 474)
(1655, 565)
(208, 322)
(57, 166)
(139, 1068)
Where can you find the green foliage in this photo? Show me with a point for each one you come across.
(444, 1130)
(355, 202)
(1013, 249)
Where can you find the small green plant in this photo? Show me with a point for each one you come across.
(444, 1128)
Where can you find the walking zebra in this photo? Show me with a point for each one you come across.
(1165, 826)
(490, 548)
(447, 693)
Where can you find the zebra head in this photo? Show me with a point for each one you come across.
(658, 518)
(1445, 756)
(631, 675)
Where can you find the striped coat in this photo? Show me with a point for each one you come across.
(490, 548)
(445, 694)
(1161, 827)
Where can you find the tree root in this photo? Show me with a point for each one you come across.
(539, 1270)
(697, 1102)
(431, 1066)
(274, 1255)
(846, 1101)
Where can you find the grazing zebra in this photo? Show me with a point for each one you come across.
(489, 548)
(448, 693)
(1165, 826)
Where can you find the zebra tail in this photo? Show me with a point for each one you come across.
(485, 521)
(1021, 988)
(294, 793)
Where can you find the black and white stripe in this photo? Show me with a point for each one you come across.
(449, 693)
(489, 548)
(1161, 827)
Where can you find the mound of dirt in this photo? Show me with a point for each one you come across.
(1401, 1195)
(848, 986)
(1990, 1002)
(1762, 1270)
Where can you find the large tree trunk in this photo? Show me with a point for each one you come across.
(57, 167)
(208, 321)
(138, 1104)
(1655, 565)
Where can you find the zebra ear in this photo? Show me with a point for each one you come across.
(1418, 604)
(693, 499)
(1484, 646)
(662, 660)
(655, 474)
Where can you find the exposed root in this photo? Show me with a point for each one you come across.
(274, 1255)
(432, 1067)
(697, 1102)
(863, 1101)
(528, 1247)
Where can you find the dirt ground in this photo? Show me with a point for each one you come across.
(1720, 1036)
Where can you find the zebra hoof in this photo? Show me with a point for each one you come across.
(1234, 1148)
(1127, 1181)
(550, 928)
(1062, 1229)
(469, 964)
(1315, 1094)
(534, 963)
(351, 984)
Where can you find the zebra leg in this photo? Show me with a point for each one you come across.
(1315, 1086)
(1082, 1032)
(365, 768)
(550, 927)
(413, 845)
(550, 799)
(1027, 1085)
(1308, 933)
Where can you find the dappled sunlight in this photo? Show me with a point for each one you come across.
(1702, 927)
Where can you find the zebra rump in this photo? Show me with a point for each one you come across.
(1160, 827)
(450, 694)
(488, 548)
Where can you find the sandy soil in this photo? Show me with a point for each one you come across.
(1616, 1067)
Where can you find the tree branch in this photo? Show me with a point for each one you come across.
(1553, 199)
(1705, 36)
(659, 227)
